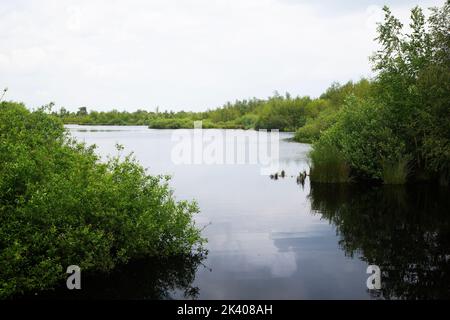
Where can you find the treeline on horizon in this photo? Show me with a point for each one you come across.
(282, 112)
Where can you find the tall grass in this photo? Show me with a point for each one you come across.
(396, 172)
(328, 165)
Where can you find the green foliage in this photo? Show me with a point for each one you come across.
(247, 121)
(285, 114)
(413, 82)
(362, 140)
(315, 126)
(336, 93)
(171, 123)
(400, 127)
(278, 112)
(321, 113)
(60, 206)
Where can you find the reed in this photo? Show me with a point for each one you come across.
(396, 172)
(328, 165)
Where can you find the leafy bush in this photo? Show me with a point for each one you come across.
(248, 121)
(315, 126)
(283, 113)
(60, 206)
(171, 123)
(402, 128)
(322, 112)
(413, 82)
(365, 140)
(362, 140)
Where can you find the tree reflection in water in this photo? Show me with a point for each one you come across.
(403, 230)
(151, 278)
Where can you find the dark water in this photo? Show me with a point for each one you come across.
(272, 239)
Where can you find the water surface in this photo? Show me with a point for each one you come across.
(275, 239)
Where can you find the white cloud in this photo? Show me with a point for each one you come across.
(190, 54)
(74, 20)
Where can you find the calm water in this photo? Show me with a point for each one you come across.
(275, 239)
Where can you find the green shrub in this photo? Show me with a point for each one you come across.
(283, 113)
(365, 139)
(171, 123)
(315, 126)
(361, 139)
(248, 121)
(60, 206)
(413, 83)
(399, 126)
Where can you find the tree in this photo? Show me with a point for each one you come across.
(402, 129)
(82, 111)
(413, 85)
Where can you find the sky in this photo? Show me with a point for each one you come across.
(185, 54)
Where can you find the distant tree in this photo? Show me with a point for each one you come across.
(82, 111)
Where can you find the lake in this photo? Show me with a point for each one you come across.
(277, 239)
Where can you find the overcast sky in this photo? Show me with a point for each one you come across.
(184, 54)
